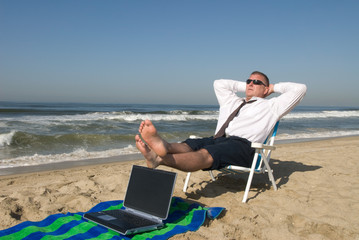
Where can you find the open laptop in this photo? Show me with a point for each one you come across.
(147, 202)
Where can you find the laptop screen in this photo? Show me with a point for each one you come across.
(150, 191)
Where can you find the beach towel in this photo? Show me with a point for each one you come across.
(183, 217)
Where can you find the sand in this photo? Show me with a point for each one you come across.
(317, 197)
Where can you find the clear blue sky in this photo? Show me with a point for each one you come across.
(171, 51)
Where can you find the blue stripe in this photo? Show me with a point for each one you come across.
(44, 223)
(61, 230)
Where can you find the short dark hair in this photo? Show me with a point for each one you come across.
(263, 75)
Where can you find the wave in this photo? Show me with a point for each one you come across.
(117, 116)
(317, 135)
(322, 114)
(23, 139)
(6, 138)
(162, 117)
(76, 155)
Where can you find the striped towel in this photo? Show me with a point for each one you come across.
(183, 217)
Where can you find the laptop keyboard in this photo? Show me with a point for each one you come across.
(130, 218)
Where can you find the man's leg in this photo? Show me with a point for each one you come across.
(175, 155)
(187, 162)
(157, 144)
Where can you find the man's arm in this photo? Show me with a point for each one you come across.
(226, 89)
(290, 95)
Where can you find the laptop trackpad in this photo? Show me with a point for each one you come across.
(106, 217)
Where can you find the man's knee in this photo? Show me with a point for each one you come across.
(206, 157)
(187, 147)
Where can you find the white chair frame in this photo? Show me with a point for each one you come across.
(260, 164)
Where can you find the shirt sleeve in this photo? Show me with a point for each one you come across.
(290, 95)
(226, 90)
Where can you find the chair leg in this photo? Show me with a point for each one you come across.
(212, 176)
(250, 177)
(270, 173)
(271, 178)
(186, 182)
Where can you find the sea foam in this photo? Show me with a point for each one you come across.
(76, 155)
(6, 138)
(317, 135)
(322, 114)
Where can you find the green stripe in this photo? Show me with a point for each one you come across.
(169, 226)
(81, 228)
(32, 229)
(182, 206)
(114, 207)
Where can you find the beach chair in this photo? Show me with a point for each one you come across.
(260, 164)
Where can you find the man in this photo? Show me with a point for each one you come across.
(255, 120)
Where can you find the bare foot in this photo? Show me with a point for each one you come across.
(150, 156)
(155, 142)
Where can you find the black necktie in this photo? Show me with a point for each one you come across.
(221, 131)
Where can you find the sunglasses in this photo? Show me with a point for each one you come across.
(256, 82)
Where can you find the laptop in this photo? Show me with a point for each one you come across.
(147, 202)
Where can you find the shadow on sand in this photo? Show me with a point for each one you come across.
(282, 170)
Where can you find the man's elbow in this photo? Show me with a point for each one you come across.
(217, 82)
(303, 88)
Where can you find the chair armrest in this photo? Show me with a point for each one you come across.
(264, 146)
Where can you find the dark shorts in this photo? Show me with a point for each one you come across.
(225, 151)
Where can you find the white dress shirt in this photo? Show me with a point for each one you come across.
(255, 120)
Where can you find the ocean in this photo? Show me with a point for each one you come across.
(40, 133)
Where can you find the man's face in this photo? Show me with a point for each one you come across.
(253, 90)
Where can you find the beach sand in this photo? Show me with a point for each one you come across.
(317, 197)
